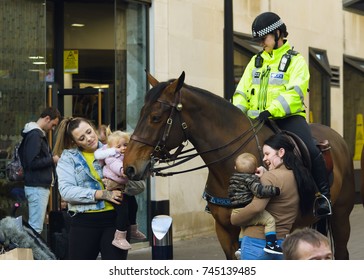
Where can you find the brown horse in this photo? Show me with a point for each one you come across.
(175, 113)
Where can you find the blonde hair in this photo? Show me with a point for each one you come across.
(116, 136)
(246, 163)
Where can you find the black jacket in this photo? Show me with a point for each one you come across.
(36, 157)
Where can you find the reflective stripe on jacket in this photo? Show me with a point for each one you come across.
(267, 88)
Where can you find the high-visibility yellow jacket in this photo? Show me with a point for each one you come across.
(267, 88)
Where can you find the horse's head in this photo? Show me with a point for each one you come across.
(160, 128)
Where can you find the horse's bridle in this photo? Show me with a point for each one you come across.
(160, 152)
(162, 155)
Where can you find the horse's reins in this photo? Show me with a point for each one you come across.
(177, 158)
(184, 159)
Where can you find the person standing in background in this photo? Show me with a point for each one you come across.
(38, 164)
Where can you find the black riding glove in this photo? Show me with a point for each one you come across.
(263, 116)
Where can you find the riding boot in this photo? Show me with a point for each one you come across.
(322, 205)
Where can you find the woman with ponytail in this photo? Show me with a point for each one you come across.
(297, 193)
(90, 204)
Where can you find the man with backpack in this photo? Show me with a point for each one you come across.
(38, 164)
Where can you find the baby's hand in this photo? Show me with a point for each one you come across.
(105, 181)
(260, 170)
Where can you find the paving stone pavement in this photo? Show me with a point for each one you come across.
(356, 244)
(208, 247)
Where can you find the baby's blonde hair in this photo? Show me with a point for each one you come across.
(116, 136)
(246, 163)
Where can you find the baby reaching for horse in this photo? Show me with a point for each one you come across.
(243, 186)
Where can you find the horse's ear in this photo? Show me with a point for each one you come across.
(153, 81)
(177, 84)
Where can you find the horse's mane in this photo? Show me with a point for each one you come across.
(154, 93)
(219, 101)
(206, 93)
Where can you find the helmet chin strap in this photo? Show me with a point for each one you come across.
(276, 38)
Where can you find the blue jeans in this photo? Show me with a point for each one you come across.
(37, 206)
(252, 249)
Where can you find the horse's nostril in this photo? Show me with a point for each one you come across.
(130, 172)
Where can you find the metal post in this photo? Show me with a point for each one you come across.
(99, 109)
(52, 197)
(162, 247)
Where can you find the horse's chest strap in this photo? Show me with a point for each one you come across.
(221, 201)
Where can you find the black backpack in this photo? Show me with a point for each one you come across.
(14, 169)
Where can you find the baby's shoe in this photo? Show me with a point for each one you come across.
(273, 248)
(136, 234)
(120, 240)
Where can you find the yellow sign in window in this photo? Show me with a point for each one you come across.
(70, 61)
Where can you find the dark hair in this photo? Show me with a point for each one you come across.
(52, 112)
(305, 182)
(268, 23)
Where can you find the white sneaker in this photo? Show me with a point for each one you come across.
(273, 249)
(238, 254)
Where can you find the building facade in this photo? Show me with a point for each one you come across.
(88, 57)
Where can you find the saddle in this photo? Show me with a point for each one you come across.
(302, 151)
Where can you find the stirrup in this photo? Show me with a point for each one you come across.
(316, 204)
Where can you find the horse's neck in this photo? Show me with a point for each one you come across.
(215, 127)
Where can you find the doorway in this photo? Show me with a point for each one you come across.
(92, 103)
(88, 52)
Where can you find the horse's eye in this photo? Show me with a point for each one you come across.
(155, 119)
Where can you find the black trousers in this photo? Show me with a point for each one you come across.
(91, 234)
(299, 126)
(126, 212)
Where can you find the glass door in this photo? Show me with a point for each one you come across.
(88, 61)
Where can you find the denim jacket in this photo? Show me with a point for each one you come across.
(76, 184)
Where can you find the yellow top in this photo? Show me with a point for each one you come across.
(90, 157)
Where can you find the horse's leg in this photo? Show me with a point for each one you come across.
(227, 234)
(341, 229)
(341, 232)
(342, 207)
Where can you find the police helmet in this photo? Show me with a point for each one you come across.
(266, 23)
